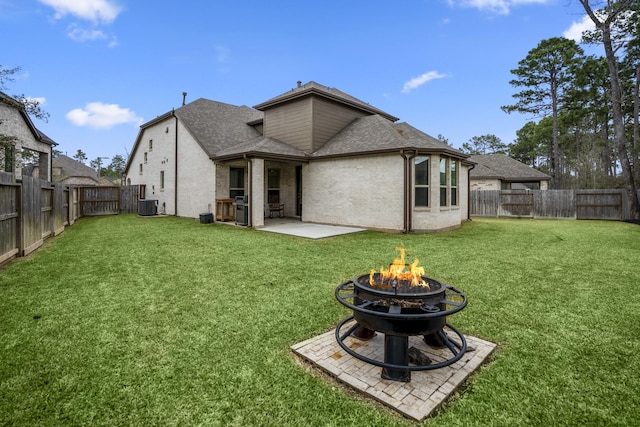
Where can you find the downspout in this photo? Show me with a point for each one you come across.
(175, 174)
(407, 208)
(469, 192)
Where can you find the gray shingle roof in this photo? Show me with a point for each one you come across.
(374, 133)
(224, 130)
(70, 167)
(218, 126)
(501, 166)
(262, 146)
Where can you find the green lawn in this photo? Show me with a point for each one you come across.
(126, 320)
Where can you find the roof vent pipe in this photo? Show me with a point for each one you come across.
(184, 97)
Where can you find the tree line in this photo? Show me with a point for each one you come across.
(587, 107)
(113, 169)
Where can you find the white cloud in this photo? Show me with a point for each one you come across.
(104, 11)
(102, 116)
(416, 82)
(574, 32)
(81, 35)
(502, 7)
(78, 34)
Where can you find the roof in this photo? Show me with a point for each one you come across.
(73, 168)
(501, 166)
(313, 88)
(266, 147)
(218, 126)
(374, 134)
(226, 131)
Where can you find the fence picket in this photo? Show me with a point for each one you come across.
(576, 204)
(32, 210)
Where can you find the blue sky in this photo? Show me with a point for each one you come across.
(103, 67)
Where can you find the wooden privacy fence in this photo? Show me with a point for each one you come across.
(32, 210)
(573, 204)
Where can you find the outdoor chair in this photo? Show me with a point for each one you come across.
(276, 208)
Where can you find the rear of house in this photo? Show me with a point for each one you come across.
(316, 153)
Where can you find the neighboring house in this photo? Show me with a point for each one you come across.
(501, 172)
(72, 172)
(16, 124)
(315, 152)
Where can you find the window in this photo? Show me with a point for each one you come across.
(140, 168)
(143, 191)
(273, 186)
(151, 145)
(161, 180)
(236, 182)
(421, 187)
(145, 157)
(454, 183)
(443, 182)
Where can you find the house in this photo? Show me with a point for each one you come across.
(314, 153)
(21, 143)
(72, 172)
(501, 172)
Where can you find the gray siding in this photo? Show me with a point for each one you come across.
(308, 123)
(291, 124)
(329, 119)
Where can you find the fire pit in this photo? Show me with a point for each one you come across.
(400, 303)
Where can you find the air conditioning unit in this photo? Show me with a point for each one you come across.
(147, 207)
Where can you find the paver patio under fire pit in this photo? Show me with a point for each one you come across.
(416, 399)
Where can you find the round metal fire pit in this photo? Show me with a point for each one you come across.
(399, 311)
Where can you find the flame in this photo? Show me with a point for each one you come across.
(397, 272)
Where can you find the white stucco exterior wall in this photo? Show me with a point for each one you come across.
(362, 192)
(156, 152)
(196, 177)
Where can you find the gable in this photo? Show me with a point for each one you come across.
(310, 115)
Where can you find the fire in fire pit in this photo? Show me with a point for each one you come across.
(401, 302)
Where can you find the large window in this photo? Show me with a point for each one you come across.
(443, 182)
(161, 180)
(236, 182)
(421, 185)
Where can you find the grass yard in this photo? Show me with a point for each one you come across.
(134, 321)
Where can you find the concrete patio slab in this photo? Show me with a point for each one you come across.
(306, 229)
(416, 399)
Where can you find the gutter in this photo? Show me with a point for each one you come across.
(471, 167)
(175, 184)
